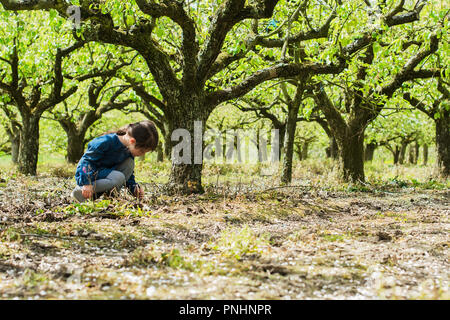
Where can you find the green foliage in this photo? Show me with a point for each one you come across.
(239, 243)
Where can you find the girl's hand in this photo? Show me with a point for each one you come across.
(87, 191)
(139, 192)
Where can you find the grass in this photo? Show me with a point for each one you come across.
(311, 172)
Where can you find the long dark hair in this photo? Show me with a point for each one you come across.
(144, 132)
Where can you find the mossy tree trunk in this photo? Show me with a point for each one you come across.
(370, 151)
(29, 145)
(187, 163)
(291, 126)
(425, 154)
(443, 144)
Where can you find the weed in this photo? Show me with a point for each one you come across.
(31, 279)
(149, 256)
(10, 234)
(238, 243)
(332, 237)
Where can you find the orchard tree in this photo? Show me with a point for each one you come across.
(372, 79)
(103, 93)
(285, 111)
(436, 105)
(33, 82)
(396, 128)
(305, 136)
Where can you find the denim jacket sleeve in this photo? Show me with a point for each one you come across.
(89, 164)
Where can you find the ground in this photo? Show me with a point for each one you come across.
(246, 238)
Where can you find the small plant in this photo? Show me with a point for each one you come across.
(332, 237)
(11, 234)
(149, 256)
(32, 279)
(239, 243)
(62, 172)
(398, 182)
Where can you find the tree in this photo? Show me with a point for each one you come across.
(397, 127)
(437, 108)
(284, 118)
(101, 96)
(367, 84)
(34, 87)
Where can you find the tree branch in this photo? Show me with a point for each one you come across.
(227, 15)
(277, 71)
(408, 72)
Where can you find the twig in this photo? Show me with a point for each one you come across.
(282, 187)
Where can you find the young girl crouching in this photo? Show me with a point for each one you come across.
(108, 163)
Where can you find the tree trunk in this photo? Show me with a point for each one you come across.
(443, 145)
(396, 154)
(413, 153)
(168, 128)
(401, 157)
(259, 147)
(14, 138)
(75, 147)
(189, 119)
(332, 150)
(305, 151)
(351, 154)
(29, 145)
(298, 151)
(291, 125)
(281, 136)
(369, 151)
(159, 153)
(416, 152)
(425, 154)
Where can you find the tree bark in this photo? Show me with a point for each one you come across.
(187, 177)
(369, 151)
(333, 149)
(159, 153)
(351, 153)
(14, 138)
(286, 176)
(443, 145)
(305, 148)
(425, 154)
(29, 145)
(401, 157)
(168, 128)
(75, 147)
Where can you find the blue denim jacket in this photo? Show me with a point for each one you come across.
(104, 153)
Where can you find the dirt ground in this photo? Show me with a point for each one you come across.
(275, 243)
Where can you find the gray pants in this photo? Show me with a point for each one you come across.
(115, 180)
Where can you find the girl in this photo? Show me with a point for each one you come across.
(108, 163)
